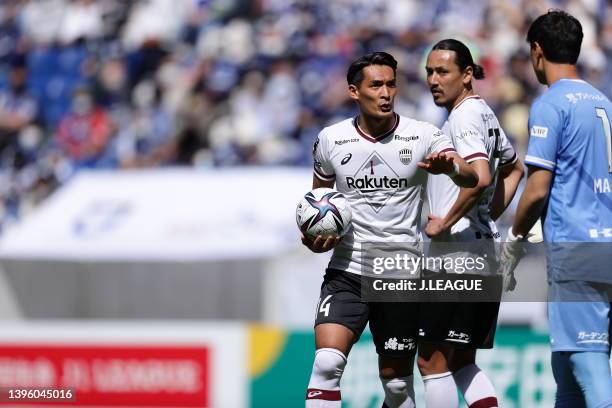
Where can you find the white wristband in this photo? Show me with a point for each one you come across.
(512, 237)
(455, 171)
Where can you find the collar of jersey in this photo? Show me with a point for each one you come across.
(465, 99)
(377, 138)
(573, 80)
(565, 80)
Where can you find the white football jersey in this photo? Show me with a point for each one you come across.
(380, 179)
(477, 135)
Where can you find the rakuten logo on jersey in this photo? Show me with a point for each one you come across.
(376, 181)
(366, 182)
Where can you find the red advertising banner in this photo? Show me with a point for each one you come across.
(131, 375)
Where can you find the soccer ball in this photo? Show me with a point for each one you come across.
(323, 211)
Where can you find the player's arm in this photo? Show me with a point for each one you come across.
(451, 164)
(468, 197)
(320, 183)
(545, 127)
(323, 176)
(443, 159)
(529, 210)
(532, 201)
(508, 180)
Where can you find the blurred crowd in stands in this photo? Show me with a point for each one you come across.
(209, 83)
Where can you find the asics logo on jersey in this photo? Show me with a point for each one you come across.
(365, 182)
(602, 233)
(313, 394)
(346, 159)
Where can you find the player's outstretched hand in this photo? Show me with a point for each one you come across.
(511, 253)
(320, 243)
(437, 163)
(435, 226)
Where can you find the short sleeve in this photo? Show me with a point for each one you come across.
(439, 141)
(469, 139)
(545, 126)
(507, 152)
(323, 168)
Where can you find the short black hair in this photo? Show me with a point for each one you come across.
(463, 57)
(354, 75)
(559, 35)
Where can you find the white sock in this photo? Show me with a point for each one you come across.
(399, 392)
(440, 391)
(476, 387)
(324, 386)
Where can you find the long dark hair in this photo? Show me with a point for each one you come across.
(463, 55)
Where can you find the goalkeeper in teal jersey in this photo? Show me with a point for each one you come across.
(570, 165)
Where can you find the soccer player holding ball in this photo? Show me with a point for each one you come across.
(570, 164)
(464, 215)
(379, 161)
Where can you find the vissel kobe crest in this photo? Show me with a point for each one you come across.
(405, 156)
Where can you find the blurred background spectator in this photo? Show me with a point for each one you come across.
(83, 132)
(124, 84)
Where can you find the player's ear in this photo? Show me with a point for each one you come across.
(538, 54)
(537, 47)
(537, 51)
(468, 75)
(353, 92)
